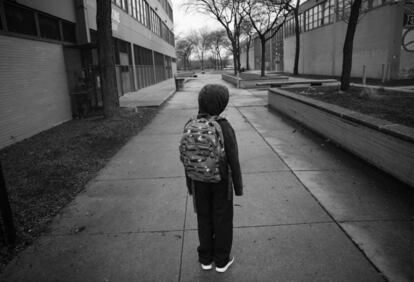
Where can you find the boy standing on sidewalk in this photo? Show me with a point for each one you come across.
(213, 200)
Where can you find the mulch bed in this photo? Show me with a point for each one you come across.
(45, 172)
(397, 107)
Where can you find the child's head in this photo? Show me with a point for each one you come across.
(213, 99)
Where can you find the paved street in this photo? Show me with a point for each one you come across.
(311, 212)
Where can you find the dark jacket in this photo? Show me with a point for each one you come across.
(212, 100)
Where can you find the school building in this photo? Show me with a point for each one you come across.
(48, 56)
(383, 43)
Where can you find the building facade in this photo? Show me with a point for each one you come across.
(48, 55)
(383, 44)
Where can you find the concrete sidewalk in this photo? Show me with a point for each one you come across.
(310, 212)
(151, 96)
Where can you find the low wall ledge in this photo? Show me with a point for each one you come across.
(397, 130)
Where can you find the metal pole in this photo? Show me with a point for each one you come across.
(388, 72)
(383, 73)
(6, 212)
(364, 75)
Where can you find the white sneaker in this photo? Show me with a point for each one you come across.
(207, 266)
(224, 268)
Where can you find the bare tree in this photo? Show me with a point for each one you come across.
(351, 13)
(218, 41)
(295, 10)
(266, 17)
(201, 42)
(106, 58)
(248, 33)
(184, 48)
(229, 13)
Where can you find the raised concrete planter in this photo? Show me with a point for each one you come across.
(387, 145)
(250, 83)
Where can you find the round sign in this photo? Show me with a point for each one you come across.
(408, 40)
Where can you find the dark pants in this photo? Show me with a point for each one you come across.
(215, 222)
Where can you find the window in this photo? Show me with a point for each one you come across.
(20, 20)
(139, 10)
(143, 56)
(94, 36)
(364, 5)
(376, 3)
(49, 27)
(69, 33)
(134, 9)
(146, 15)
(159, 59)
(130, 12)
(340, 10)
(124, 5)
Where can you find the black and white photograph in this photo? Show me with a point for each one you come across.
(206, 140)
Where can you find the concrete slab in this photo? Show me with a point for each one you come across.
(169, 121)
(237, 121)
(151, 96)
(300, 148)
(259, 159)
(148, 143)
(153, 163)
(310, 252)
(117, 257)
(125, 206)
(183, 99)
(308, 157)
(248, 101)
(265, 121)
(249, 138)
(360, 194)
(270, 199)
(389, 244)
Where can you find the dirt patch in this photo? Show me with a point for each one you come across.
(45, 172)
(397, 107)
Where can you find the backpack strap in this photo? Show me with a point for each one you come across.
(215, 120)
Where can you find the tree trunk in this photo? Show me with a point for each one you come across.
(235, 64)
(297, 34)
(263, 66)
(247, 55)
(348, 45)
(220, 62)
(6, 212)
(106, 58)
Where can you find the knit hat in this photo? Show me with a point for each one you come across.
(213, 99)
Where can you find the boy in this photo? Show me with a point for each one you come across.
(214, 201)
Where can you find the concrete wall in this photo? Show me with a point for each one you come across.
(388, 146)
(406, 67)
(243, 58)
(374, 46)
(33, 88)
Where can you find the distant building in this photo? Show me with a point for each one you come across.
(383, 43)
(48, 52)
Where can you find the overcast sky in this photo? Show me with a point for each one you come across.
(184, 21)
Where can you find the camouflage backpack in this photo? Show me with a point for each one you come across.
(202, 148)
